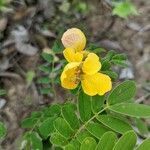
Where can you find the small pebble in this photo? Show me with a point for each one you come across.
(127, 73)
(2, 103)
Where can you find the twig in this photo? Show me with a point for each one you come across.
(10, 75)
(141, 99)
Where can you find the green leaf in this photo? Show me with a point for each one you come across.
(2, 130)
(46, 69)
(58, 139)
(57, 148)
(119, 57)
(98, 50)
(44, 80)
(142, 127)
(111, 74)
(69, 115)
(62, 127)
(46, 127)
(131, 109)
(119, 62)
(95, 48)
(36, 114)
(75, 91)
(36, 141)
(2, 92)
(28, 122)
(145, 145)
(96, 129)
(47, 57)
(107, 141)
(30, 76)
(54, 110)
(82, 7)
(114, 123)
(121, 93)
(82, 135)
(97, 103)
(2, 2)
(124, 9)
(75, 143)
(126, 142)
(89, 143)
(45, 91)
(110, 54)
(105, 65)
(84, 105)
(69, 147)
(57, 47)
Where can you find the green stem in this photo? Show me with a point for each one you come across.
(84, 125)
(52, 81)
(78, 92)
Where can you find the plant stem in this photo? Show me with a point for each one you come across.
(52, 81)
(84, 125)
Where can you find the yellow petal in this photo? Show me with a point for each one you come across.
(91, 65)
(74, 38)
(72, 56)
(68, 76)
(96, 84)
(90, 84)
(105, 84)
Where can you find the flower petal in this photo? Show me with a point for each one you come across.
(72, 56)
(74, 38)
(90, 84)
(105, 84)
(68, 76)
(91, 65)
(96, 84)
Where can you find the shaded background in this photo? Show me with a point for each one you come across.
(27, 27)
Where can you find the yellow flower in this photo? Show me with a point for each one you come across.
(83, 66)
(74, 38)
(86, 72)
(72, 56)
